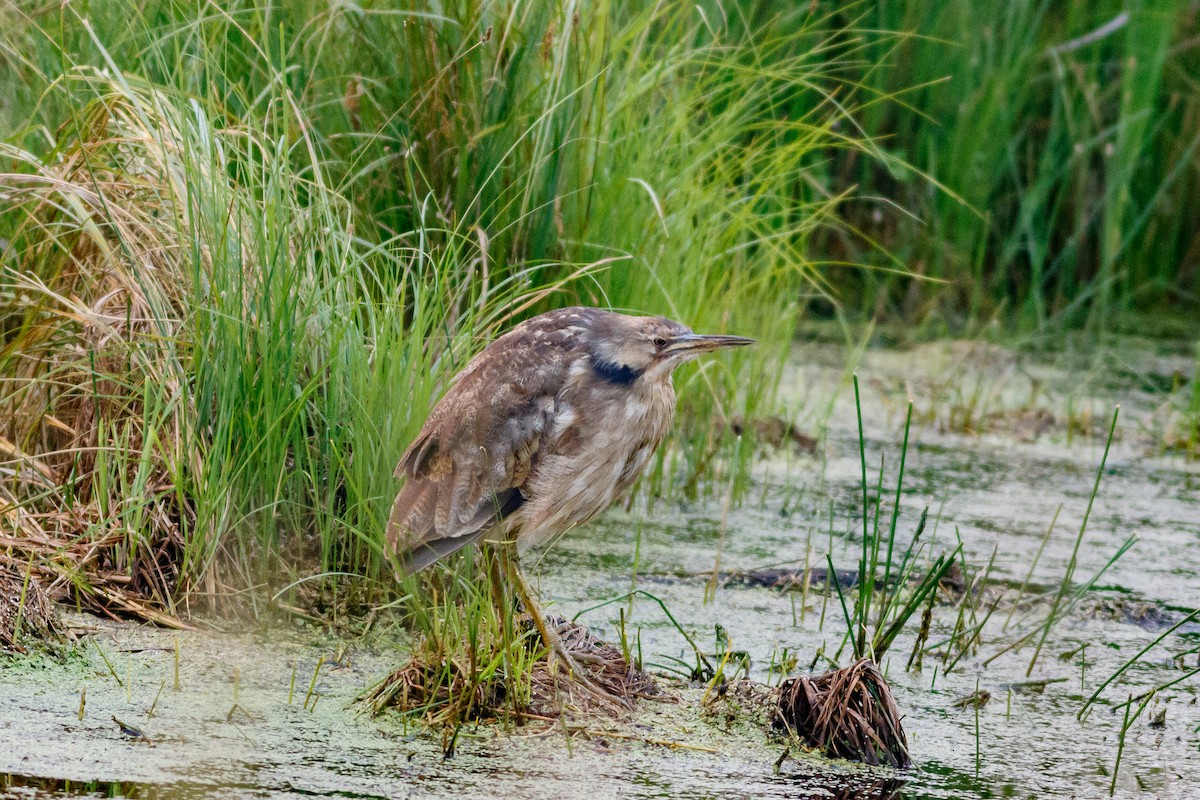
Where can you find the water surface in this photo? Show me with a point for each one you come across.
(993, 477)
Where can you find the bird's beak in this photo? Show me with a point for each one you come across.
(696, 343)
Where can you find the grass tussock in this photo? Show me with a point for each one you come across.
(849, 712)
(475, 657)
(845, 713)
(443, 690)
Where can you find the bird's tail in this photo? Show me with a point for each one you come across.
(410, 549)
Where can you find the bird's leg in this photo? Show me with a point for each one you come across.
(558, 653)
(525, 594)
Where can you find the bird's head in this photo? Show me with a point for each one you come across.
(625, 348)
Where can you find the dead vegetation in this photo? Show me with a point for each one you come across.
(451, 690)
(27, 616)
(90, 302)
(773, 430)
(76, 566)
(845, 713)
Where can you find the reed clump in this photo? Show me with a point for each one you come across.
(849, 712)
(845, 713)
(448, 688)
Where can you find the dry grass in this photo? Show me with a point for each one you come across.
(27, 616)
(449, 691)
(88, 317)
(90, 569)
(845, 713)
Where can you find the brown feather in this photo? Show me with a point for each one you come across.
(481, 441)
(541, 432)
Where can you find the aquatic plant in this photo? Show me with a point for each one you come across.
(1066, 596)
(1071, 134)
(849, 711)
(1144, 696)
(890, 598)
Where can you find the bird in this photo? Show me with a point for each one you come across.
(541, 431)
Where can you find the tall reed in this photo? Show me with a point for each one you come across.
(1070, 131)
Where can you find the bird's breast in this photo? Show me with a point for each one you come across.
(601, 441)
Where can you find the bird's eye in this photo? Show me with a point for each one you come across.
(660, 342)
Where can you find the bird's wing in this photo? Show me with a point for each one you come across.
(463, 474)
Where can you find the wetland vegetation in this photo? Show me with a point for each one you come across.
(244, 245)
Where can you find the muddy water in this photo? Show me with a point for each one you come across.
(986, 460)
(269, 747)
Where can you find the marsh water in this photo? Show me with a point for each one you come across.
(1000, 442)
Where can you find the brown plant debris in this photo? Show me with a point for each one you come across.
(448, 691)
(845, 713)
(775, 431)
(27, 616)
(96, 572)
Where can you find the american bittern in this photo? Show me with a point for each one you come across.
(543, 430)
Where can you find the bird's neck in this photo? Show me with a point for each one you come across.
(617, 374)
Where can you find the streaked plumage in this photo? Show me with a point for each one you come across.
(542, 431)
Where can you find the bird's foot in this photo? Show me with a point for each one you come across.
(561, 659)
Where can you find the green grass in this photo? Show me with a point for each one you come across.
(1077, 158)
(246, 244)
(892, 598)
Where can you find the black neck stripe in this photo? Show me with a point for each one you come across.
(615, 373)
